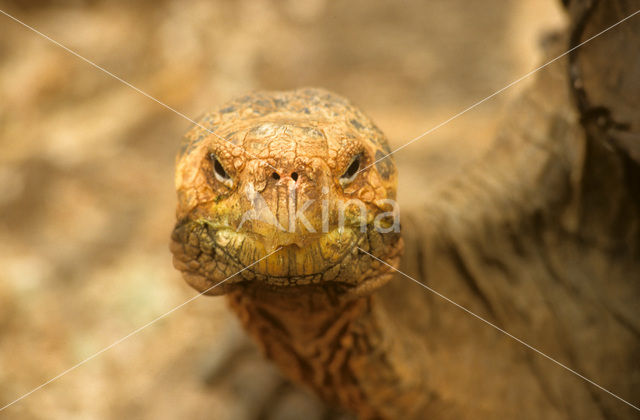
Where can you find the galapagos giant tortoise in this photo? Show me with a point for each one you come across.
(540, 238)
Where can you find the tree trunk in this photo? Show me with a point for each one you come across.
(542, 237)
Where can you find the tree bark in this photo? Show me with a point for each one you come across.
(542, 237)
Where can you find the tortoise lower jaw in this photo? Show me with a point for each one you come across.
(271, 271)
(216, 260)
(208, 255)
(289, 257)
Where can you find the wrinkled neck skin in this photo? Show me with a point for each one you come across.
(345, 349)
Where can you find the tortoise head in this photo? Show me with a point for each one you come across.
(287, 185)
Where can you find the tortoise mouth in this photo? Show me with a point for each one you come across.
(209, 256)
(217, 260)
(290, 259)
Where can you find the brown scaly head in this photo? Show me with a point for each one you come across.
(294, 175)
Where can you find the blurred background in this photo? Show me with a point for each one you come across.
(86, 172)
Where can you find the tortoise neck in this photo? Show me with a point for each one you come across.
(348, 351)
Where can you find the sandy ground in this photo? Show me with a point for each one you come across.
(86, 170)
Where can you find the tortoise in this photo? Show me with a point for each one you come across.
(286, 206)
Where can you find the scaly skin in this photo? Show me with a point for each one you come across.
(310, 133)
(308, 304)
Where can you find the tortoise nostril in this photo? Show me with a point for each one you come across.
(275, 176)
(294, 176)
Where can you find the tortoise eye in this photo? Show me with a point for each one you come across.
(218, 169)
(351, 172)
